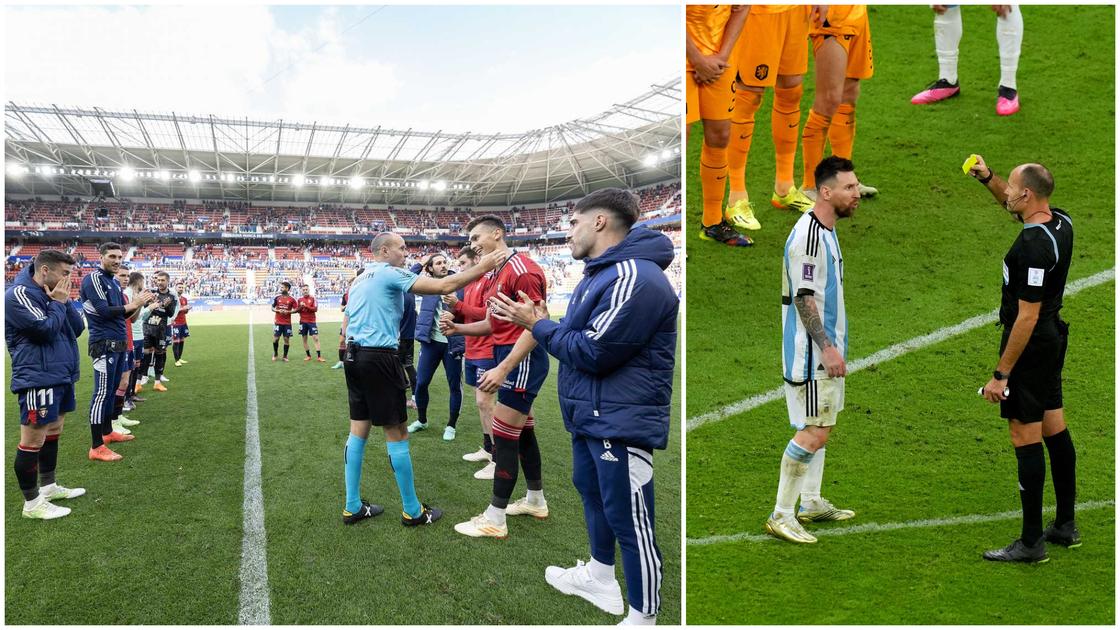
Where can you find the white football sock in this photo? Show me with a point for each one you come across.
(1009, 34)
(638, 618)
(28, 505)
(947, 29)
(535, 497)
(811, 489)
(495, 515)
(795, 464)
(601, 572)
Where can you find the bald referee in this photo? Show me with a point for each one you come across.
(376, 379)
(1032, 352)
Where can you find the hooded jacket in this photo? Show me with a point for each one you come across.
(42, 335)
(617, 344)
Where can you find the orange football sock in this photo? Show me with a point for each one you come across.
(812, 146)
(842, 131)
(713, 176)
(784, 123)
(742, 131)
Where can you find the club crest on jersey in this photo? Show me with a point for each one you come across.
(807, 271)
(761, 72)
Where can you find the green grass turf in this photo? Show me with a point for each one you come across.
(915, 442)
(166, 522)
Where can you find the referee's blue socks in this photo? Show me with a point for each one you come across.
(352, 458)
(401, 462)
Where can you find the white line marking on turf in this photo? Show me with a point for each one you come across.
(892, 352)
(253, 608)
(874, 528)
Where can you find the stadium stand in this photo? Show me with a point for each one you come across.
(237, 250)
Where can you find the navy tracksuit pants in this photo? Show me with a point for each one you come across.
(616, 483)
(432, 353)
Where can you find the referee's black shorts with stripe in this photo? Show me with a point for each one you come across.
(376, 383)
(1036, 379)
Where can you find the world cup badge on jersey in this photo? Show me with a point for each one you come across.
(807, 271)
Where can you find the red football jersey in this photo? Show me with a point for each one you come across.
(284, 301)
(307, 308)
(472, 308)
(519, 273)
(181, 316)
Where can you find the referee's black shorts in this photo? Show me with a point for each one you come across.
(1036, 380)
(376, 383)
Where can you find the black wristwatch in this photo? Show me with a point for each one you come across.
(985, 180)
(999, 376)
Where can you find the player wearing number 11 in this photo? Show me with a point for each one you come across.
(42, 325)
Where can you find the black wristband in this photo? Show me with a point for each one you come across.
(999, 376)
(987, 179)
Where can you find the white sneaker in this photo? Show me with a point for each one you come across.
(478, 456)
(55, 492)
(143, 380)
(128, 406)
(43, 509)
(119, 428)
(578, 581)
(417, 426)
(481, 527)
(522, 506)
(448, 434)
(164, 379)
(127, 422)
(487, 472)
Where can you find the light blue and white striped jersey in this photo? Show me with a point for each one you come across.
(812, 263)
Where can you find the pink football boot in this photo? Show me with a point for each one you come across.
(939, 90)
(1007, 102)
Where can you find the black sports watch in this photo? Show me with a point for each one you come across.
(999, 376)
(985, 180)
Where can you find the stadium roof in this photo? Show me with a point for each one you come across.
(57, 150)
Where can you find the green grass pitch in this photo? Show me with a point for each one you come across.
(157, 538)
(915, 441)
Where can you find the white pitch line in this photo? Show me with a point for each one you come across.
(874, 528)
(253, 607)
(892, 352)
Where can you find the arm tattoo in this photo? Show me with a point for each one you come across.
(807, 310)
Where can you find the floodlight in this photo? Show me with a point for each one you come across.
(357, 182)
(440, 185)
(194, 176)
(650, 160)
(298, 180)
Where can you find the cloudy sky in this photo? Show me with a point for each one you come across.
(481, 69)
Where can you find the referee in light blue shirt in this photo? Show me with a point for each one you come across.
(376, 380)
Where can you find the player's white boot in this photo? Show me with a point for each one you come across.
(164, 379)
(482, 527)
(578, 581)
(524, 506)
(486, 472)
(144, 380)
(119, 428)
(43, 509)
(478, 456)
(54, 492)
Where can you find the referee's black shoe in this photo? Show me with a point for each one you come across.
(1065, 534)
(1019, 552)
(366, 511)
(428, 515)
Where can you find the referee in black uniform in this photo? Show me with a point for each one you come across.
(1032, 352)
